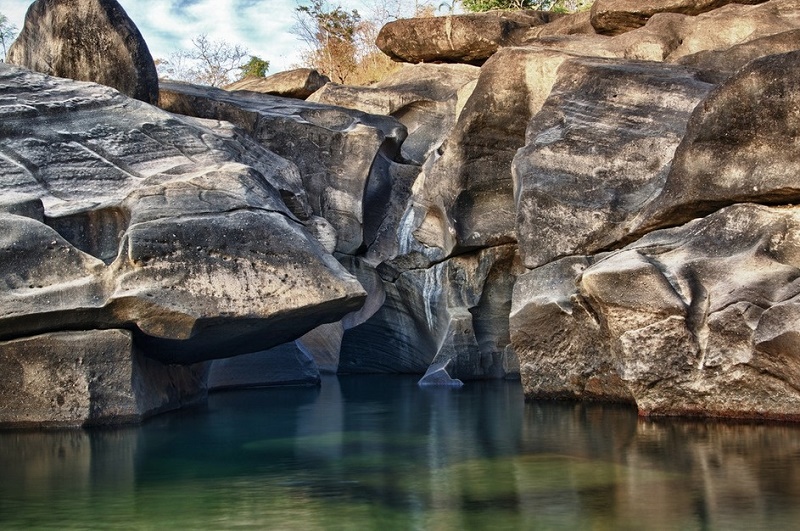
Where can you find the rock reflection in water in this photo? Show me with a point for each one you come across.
(379, 452)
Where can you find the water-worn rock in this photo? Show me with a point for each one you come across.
(470, 38)
(69, 379)
(425, 98)
(87, 40)
(613, 17)
(597, 153)
(282, 365)
(700, 319)
(298, 83)
(343, 155)
(747, 155)
(166, 226)
(455, 311)
(464, 198)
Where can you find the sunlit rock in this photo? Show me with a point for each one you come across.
(169, 227)
(297, 83)
(87, 40)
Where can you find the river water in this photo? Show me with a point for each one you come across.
(380, 453)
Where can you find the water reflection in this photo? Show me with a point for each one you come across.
(379, 452)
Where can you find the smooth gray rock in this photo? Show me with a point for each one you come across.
(437, 375)
(613, 17)
(282, 365)
(86, 378)
(470, 38)
(455, 311)
(700, 319)
(298, 83)
(425, 98)
(170, 227)
(343, 155)
(597, 153)
(747, 155)
(87, 40)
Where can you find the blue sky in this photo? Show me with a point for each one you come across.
(262, 26)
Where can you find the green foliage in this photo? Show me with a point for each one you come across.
(8, 33)
(208, 63)
(331, 34)
(255, 67)
(558, 6)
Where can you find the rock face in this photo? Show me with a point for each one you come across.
(87, 40)
(694, 320)
(470, 38)
(168, 227)
(343, 155)
(298, 83)
(89, 378)
(578, 192)
(613, 17)
(425, 98)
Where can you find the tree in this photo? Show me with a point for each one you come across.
(331, 34)
(546, 5)
(209, 63)
(255, 67)
(8, 33)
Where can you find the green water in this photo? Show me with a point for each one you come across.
(381, 453)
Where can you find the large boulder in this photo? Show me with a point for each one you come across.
(740, 145)
(613, 17)
(470, 38)
(696, 320)
(87, 40)
(344, 156)
(598, 151)
(298, 83)
(85, 378)
(120, 215)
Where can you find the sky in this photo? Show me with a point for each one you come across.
(262, 26)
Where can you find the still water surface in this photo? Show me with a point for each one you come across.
(381, 453)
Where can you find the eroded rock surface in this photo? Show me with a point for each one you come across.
(470, 38)
(597, 153)
(87, 40)
(89, 378)
(298, 83)
(152, 223)
(343, 155)
(613, 17)
(696, 320)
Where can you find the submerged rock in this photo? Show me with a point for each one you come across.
(87, 40)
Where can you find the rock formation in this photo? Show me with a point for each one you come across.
(298, 83)
(117, 215)
(606, 217)
(87, 40)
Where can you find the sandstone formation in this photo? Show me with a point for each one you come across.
(298, 83)
(168, 227)
(470, 38)
(87, 40)
(613, 17)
